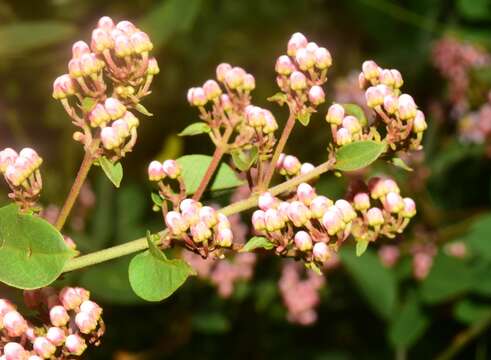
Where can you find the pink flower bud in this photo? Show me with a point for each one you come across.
(141, 42)
(153, 66)
(316, 95)
(375, 217)
(126, 26)
(298, 81)
(303, 241)
(101, 40)
(225, 102)
(409, 209)
(398, 82)
(58, 316)
(333, 220)
(172, 168)
(323, 58)
(387, 78)
(249, 83)
(391, 104)
(189, 204)
(56, 336)
(279, 163)
(259, 220)
(391, 186)
(131, 120)
(270, 124)
(89, 64)
(109, 138)
(298, 213)
(393, 203)
(80, 48)
(282, 208)
(212, 89)
(346, 209)
(352, 124)
(191, 215)
(305, 59)
(122, 46)
(32, 156)
(267, 201)
(91, 308)
(306, 168)
(362, 81)
(335, 114)
(15, 351)
(312, 46)
(7, 157)
(63, 87)
(43, 347)
(255, 116)
(114, 108)
(343, 137)
(306, 193)
(224, 237)
(291, 165)
(319, 206)
(85, 322)
(284, 65)
(99, 116)
(222, 70)
(361, 201)
(407, 107)
(176, 223)
(208, 215)
(74, 68)
(273, 220)
(371, 71)
(388, 255)
(200, 232)
(234, 78)
(14, 323)
(223, 221)
(419, 124)
(156, 171)
(422, 263)
(197, 96)
(321, 252)
(70, 298)
(75, 344)
(297, 41)
(378, 188)
(374, 97)
(14, 176)
(121, 128)
(456, 249)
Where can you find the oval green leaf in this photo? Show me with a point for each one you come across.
(409, 324)
(257, 242)
(32, 252)
(358, 155)
(194, 168)
(114, 172)
(195, 129)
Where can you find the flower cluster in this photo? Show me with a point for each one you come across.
(312, 227)
(397, 113)
(22, 174)
(475, 127)
(301, 74)
(72, 321)
(104, 81)
(300, 295)
(223, 273)
(290, 166)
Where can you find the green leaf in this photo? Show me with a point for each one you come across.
(194, 169)
(401, 164)
(32, 252)
(279, 97)
(408, 325)
(474, 9)
(21, 37)
(245, 159)
(143, 110)
(195, 129)
(358, 155)
(376, 283)
(361, 247)
(357, 112)
(469, 311)
(157, 199)
(153, 277)
(88, 104)
(304, 116)
(478, 237)
(210, 323)
(257, 242)
(114, 172)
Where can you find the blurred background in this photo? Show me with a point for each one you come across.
(405, 298)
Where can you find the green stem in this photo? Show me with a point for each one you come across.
(141, 244)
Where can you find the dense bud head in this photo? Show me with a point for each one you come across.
(298, 213)
(333, 220)
(297, 41)
(200, 232)
(208, 215)
(197, 96)
(393, 202)
(70, 298)
(407, 107)
(284, 65)
(75, 344)
(306, 193)
(398, 82)
(370, 69)
(63, 87)
(273, 219)
(212, 89)
(316, 95)
(224, 237)
(361, 201)
(122, 46)
(352, 124)
(409, 209)
(267, 201)
(58, 316)
(270, 124)
(15, 351)
(101, 40)
(43, 347)
(303, 241)
(141, 42)
(126, 26)
(176, 223)
(222, 70)
(321, 252)
(121, 128)
(85, 322)
(374, 96)
(105, 23)
(305, 59)
(98, 116)
(7, 157)
(343, 136)
(80, 48)
(249, 83)
(319, 206)
(291, 165)
(234, 78)
(375, 217)
(114, 108)
(323, 58)
(306, 168)
(419, 124)
(391, 104)
(335, 114)
(156, 171)
(259, 220)
(153, 66)
(56, 336)
(346, 209)
(172, 168)
(298, 81)
(110, 139)
(14, 323)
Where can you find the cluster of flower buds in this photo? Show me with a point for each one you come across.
(290, 166)
(22, 174)
(224, 274)
(300, 294)
(312, 227)
(475, 127)
(72, 322)
(202, 228)
(104, 80)
(302, 72)
(171, 171)
(403, 124)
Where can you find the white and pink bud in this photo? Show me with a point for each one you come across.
(391, 104)
(14, 323)
(114, 108)
(316, 95)
(58, 316)
(98, 116)
(208, 215)
(131, 120)
(63, 86)
(8, 157)
(333, 220)
(197, 97)
(75, 344)
(303, 241)
(101, 40)
(375, 217)
(388, 255)
(259, 220)
(110, 139)
(321, 252)
(141, 42)
(273, 220)
(189, 204)
(409, 209)
(85, 322)
(323, 58)
(406, 107)
(335, 114)
(284, 65)
(422, 263)
(153, 66)
(297, 41)
(15, 351)
(176, 223)
(249, 82)
(105, 23)
(305, 59)
(361, 201)
(121, 128)
(387, 77)
(224, 237)
(5, 307)
(91, 308)
(225, 102)
(43, 347)
(298, 81)
(267, 201)
(371, 70)
(393, 203)
(89, 64)
(70, 298)
(298, 213)
(222, 70)
(80, 48)
(223, 221)
(74, 69)
(156, 171)
(122, 46)
(172, 169)
(234, 78)
(374, 97)
(291, 165)
(343, 137)
(319, 206)
(306, 168)
(346, 209)
(212, 90)
(306, 193)
(270, 124)
(56, 336)
(398, 82)
(419, 124)
(200, 232)
(352, 124)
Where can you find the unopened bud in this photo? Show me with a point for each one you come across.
(172, 168)
(409, 209)
(212, 89)
(208, 215)
(298, 81)
(398, 82)
(234, 78)
(153, 66)
(15, 351)
(200, 232)
(284, 65)
(58, 316)
(122, 46)
(56, 336)
(121, 128)
(43, 347)
(346, 209)
(303, 241)
(305, 59)
(321, 252)
(259, 220)
(156, 171)
(391, 104)
(74, 68)
(98, 116)
(291, 165)
(114, 108)
(319, 206)
(323, 58)
(343, 137)
(176, 223)
(298, 213)
(407, 107)
(306, 193)
(222, 70)
(316, 95)
(14, 323)
(335, 114)
(75, 344)
(387, 78)
(126, 26)
(419, 124)
(105, 23)
(393, 202)
(374, 97)
(333, 220)
(273, 220)
(361, 201)
(370, 69)
(225, 237)
(297, 41)
(352, 124)
(7, 157)
(306, 168)
(85, 322)
(110, 140)
(63, 87)
(375, 217)
(197, 96)
(70, 298)
(267, 201)
(225, 102)
(89, 64)
(131, 120)
(141, 42)
(101, 40)
(249, 83)
(80, 48)
(270, 124)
